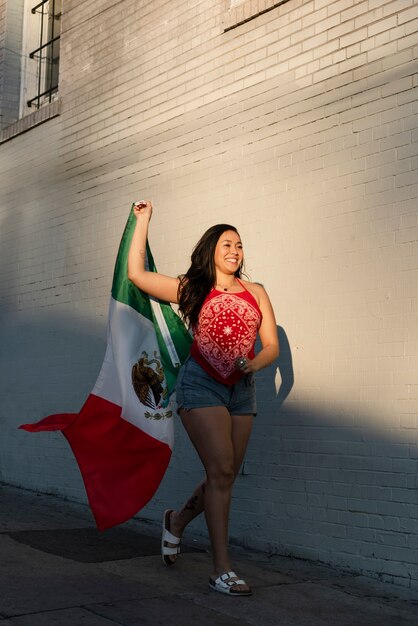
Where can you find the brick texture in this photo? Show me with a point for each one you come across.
(300, 127)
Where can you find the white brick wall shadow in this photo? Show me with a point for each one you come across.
(335, 492)
(48, 364)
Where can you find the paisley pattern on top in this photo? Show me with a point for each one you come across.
(227, 329)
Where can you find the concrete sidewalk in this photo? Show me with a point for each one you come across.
(57, 569)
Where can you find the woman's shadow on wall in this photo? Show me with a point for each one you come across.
(284, 366)
(275, 384)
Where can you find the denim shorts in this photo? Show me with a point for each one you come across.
(196, 389)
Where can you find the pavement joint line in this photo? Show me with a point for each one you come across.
(83, 606)
(61, 608)
(100, 615)
(190, 597)
(284, 584)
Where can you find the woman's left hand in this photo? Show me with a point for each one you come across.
(246, 365)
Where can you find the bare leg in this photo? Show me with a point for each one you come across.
(191, 509)
(220, 441)
(241, 430)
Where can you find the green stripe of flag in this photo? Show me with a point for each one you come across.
(173, 338)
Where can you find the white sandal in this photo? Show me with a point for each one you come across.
(168, 537)
(224, 584)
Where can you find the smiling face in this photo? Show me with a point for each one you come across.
(228, 253)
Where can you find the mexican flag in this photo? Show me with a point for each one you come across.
(123, 436)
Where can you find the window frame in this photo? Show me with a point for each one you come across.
(46, 75)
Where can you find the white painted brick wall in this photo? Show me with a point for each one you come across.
(300, 127)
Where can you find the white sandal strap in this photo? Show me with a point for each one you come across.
(170, 538)
(227, 576)
(224, 580)
(167, 550)
(224, 584)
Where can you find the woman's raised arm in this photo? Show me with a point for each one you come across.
(156, 285)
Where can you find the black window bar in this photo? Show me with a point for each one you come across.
(47, 53)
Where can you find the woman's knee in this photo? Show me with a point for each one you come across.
(221, 476)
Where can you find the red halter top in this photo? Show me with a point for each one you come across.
(226, 329)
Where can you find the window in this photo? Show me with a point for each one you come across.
(29, 64)
(46, 55)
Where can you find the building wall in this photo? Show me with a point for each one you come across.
(299, 126)
(11, 15)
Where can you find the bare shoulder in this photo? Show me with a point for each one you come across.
(256, 289)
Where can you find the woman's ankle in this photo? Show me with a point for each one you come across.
(176, 527)
(222, 566)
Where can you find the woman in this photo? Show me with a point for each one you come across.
(215, 387)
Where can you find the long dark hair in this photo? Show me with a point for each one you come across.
(201, 276)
